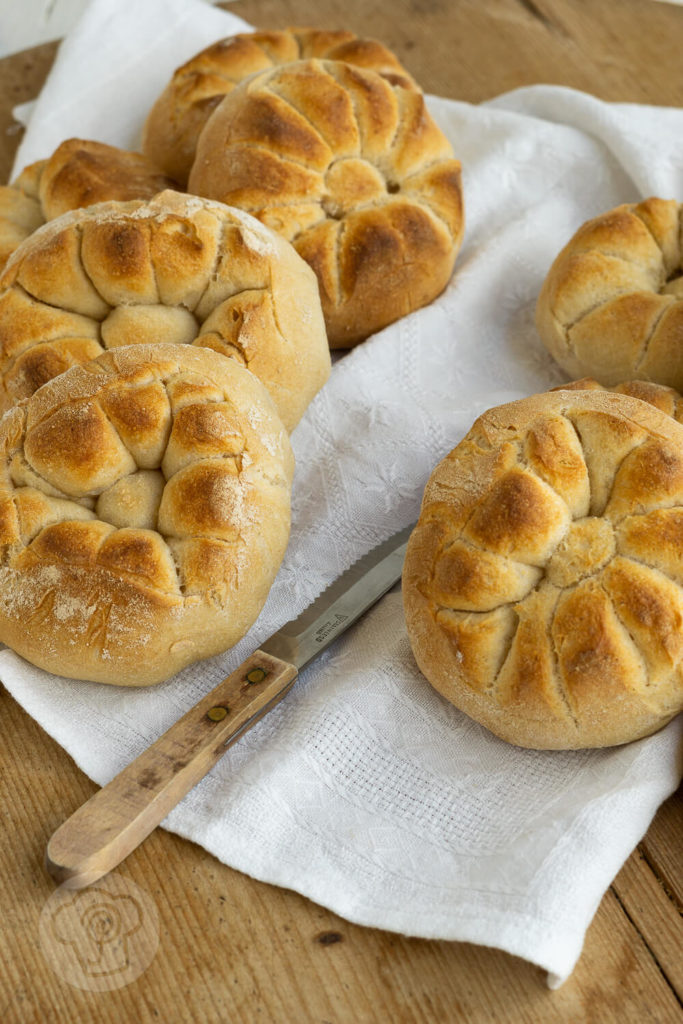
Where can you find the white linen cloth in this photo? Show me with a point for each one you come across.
(365, 790)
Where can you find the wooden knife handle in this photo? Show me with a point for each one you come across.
(101, 833)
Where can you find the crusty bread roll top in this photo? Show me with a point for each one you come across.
(177, 118)
(664, 398)
(543, 583)
(354, 172)
(80, 172)
(144, 512)
(175, 268)
(611, 306)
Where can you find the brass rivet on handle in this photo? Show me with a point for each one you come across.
(217, 714)
(257, 675)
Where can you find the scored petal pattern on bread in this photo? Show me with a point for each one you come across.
(611, 306)
(79, 173)
(542, 583)
(354, 172)
(176, 120)
(176, 269)
(144, 512)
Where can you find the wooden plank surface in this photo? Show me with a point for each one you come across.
(234, 949)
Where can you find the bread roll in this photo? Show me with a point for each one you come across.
(79, 173)
(543, 583)
(174, 269)
(145, 511)
(611, 306)
(195, 90)
(667, 399)
(354, 172)
(20, 211)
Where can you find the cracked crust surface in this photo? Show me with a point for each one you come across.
(543, 580)
(80, 172)
(175, 268)
(352, 170)
(144, 513)
(611, 306)
(197, 87)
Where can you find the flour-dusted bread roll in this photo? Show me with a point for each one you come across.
(662, 397)
(172, 269)
(79, 173)
(543, 583)
(611, 306)
(197, 87)
(354, 172)
(144, 513)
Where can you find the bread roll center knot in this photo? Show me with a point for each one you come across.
(585, 549)
(350, 183)
(133, 501)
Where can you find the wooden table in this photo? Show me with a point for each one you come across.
(233, 949)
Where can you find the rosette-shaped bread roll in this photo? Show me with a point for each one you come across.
(354, 172)
(197, 87)
(79, 173)
(611, 306)
(174, 269)
(543, 583)
(144, 513)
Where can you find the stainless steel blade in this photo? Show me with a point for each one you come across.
(341, 604)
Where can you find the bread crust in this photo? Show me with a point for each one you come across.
(176, 120)
(354, 172)
(144, 513)
(611, 306)
(664, 398)
(543, 581)
(175, 268)
(80, 172)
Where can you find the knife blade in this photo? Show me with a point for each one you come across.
(109, 826)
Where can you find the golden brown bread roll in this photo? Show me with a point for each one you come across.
(20, 211)
(79, 173)
(354, 172)
(611, 306)
(144, 512)
(662, 397)
(197, 87)
(543, 583)
(175, 269)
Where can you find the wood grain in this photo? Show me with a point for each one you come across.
(21, 79)
(663, 848)
(656, 916)
(236, 949)
(617, 49)
(231, 947)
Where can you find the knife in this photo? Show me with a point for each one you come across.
(109, 826)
